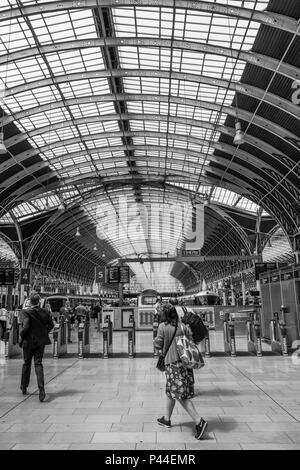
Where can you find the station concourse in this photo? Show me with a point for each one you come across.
(149, 154)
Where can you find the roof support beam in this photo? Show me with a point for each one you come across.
(253, 58)
(268, 18)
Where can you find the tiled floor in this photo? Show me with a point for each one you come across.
(249, 402)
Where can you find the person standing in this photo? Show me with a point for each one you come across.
(36, 326)
(80, 312)
(179, 379)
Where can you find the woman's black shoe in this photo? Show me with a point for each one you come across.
(200, 428)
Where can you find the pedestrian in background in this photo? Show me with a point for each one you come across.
(36, 325)
(179, 379)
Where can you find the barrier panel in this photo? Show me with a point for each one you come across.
(83, 338)
(229, 338)
(11, 337)
(278, 335)
(254, 335)
(131, 337)
(205, 343)
(60, 337)
(107, 332)
(155, 328)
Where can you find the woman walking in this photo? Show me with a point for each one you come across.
(180, 380)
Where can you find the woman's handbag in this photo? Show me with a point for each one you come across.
(161, 359)
(188, 352)
(161, 363)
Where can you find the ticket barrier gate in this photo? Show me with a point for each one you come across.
(229, 337)
(254, 334)
(107, 337)
(83, 338)
(155, 329)
(205, 343)
(60, 337)
(131, 337)
(278, 335)
(11, 338)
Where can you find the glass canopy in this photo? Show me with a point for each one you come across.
(143, 102)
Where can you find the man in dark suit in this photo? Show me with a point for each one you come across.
(36, 325)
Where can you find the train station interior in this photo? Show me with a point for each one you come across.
(150, 155)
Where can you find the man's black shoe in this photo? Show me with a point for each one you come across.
(42, 395)
(24, 390)
(200, 428)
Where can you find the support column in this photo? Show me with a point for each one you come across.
(243, 289)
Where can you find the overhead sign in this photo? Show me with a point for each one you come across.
(124, 275)
(189, 252)
(99, 274)
(113, 274)
(118, 274)
(7, 276)
(263, 267)
(25, 276)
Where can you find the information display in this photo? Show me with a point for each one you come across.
(263, 267)
(7, 276)
(118, 274)
(113, 274)
(124, 274)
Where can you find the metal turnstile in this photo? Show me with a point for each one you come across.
(131, 337)
(155, 328)
(205, 343)
(84, 338)
(60, 338)
(254, 334)
(278, 335)
(107, 337)
(11, 338)
(229, 338)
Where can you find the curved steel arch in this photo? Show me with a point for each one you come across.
(291, 215)
(253, 58)
(255, 142)
(248, 90)
(268, 18)
(255, 162)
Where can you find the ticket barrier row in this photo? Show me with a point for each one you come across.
(253, 329)
(62, 336)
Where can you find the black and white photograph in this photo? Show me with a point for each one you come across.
(149, 230)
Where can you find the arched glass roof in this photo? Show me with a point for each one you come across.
(110, 97)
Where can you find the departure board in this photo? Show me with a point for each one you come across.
(118, 274)
(124, 274)
(7, 276)
(262, 268)
(113, 274)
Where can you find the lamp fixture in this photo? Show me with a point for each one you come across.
(103, 254)
(95, 247)
(239, 135)
(47, 207)
(77, 234)
(2, 146)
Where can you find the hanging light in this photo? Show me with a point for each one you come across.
(47, 207)
(103, 254)
(2, 146)
(95, 247)
(239, 135)
(77, 234)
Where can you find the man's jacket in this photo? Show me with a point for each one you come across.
(36, 325)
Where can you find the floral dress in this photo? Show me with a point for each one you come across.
(180, 381)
